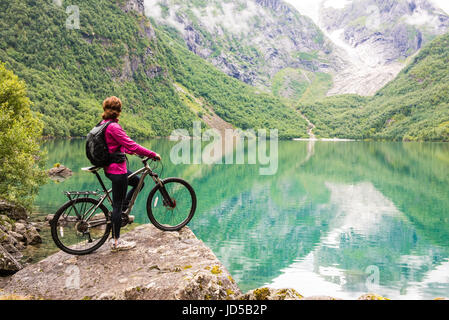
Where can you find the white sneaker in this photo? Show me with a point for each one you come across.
(122, 245)
(112, 243)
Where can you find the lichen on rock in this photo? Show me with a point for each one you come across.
(372, 296)
(271, 294)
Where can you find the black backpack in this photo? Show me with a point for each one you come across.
(97, 150)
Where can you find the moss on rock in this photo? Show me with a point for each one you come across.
(372, 296)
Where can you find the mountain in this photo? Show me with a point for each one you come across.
(117, 51)
(190, 61)
(377, 37)
(265, 43)
(412, 107)
(357, 48)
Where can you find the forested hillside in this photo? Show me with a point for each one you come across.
(413, 107)
(116, 51)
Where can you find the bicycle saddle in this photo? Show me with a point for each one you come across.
(91, 169)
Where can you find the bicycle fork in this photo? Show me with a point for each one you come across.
(168, 201)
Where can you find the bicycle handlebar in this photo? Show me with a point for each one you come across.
(145, 159)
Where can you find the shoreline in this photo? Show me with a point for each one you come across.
(324, 140)
(164, 266)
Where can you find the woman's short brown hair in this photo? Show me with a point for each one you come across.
(112, 108)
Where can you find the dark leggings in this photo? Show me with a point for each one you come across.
(120, 199)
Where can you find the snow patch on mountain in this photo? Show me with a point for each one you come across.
(376, 38)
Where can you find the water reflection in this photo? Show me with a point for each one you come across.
(358, 250)
(332, 216)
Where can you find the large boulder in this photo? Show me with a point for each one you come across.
(8, 264)
(163, 266)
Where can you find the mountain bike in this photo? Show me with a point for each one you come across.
(83, 224)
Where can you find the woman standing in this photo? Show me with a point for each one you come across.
(118, 141)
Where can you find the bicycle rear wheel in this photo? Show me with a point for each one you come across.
(81, 226)
(171, 218)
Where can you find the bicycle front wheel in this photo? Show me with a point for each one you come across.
(171, 217)
(81, 226)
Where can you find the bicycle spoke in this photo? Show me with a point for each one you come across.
(171, 217)
(75, 233)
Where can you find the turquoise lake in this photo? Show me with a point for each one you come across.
(338, 218)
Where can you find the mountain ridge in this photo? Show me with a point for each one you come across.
(118, 52)
(412, 107)
(248, 40)
(361, 46)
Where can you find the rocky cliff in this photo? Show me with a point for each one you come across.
(376, 37)
(251, 40)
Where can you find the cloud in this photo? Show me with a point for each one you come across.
(337, 4)
(311, 8)
(152, 8)
(308, 8)
(443, 4)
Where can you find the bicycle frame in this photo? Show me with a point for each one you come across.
(145, 171)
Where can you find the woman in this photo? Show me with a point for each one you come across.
(118, 141)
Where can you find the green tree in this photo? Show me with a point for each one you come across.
(20, 129)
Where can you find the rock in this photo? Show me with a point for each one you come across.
(27, 233)
(17, 236)
(106, 296)
(20, 228)
(6, 238)
(8, 264)
(208, 285)
(12, 297)
(5, 223)
(59, 173)
(271, 294)
(12, 211)
(134, 5)
(211, 283)
(372, 296)
(32, 236)
(276, 5)
(11, 244)
(163, 266)
(37, 225)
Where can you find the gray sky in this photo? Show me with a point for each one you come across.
(310, 7)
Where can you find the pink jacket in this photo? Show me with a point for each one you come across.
(118, 141)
